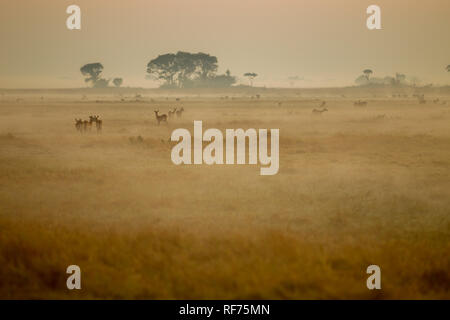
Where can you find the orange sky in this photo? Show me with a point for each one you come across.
(323, 41)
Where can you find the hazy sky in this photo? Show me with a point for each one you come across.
(324, 41)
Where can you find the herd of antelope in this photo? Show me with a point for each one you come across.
(360, 103)
(86, 125)
(163, 117)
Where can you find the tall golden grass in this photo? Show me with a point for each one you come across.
(354, 189)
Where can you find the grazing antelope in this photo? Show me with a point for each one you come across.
(317, 111)
(79, 125)
(172, 113)
(360, 103)
(179, 112)
(161, 118)
(99, 124)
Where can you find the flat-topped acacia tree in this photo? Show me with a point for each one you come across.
(187, 70)
(368, 73)
(251, 76)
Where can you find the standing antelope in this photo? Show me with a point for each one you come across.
(171, 113)
(85, 125)
(179, 112)
(360, 103)
(161, 118)
(79, 125)
(317, 111)
(99, 124)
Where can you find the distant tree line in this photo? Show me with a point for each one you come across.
(175, 70)
(399, 79)
(92, 73)
(188, 70)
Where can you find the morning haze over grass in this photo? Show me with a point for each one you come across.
(356, 186)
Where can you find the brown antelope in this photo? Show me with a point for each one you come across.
(360, 103)
(179, 112)
(161, 118)
(172, 113)
(99, 124)
(79, 125)
(85, 125)
(317, 111)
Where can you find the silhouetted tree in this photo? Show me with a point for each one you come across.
(164, 67)
(92, 72)
(206, 65)
(118, 82)
(250, 76)
(185, 69)
(368, 73)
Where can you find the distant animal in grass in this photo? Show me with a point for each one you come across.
(160, 118)
(319, 111)
(180, 112)
(360, 103)
(172, 113)
(79, 125)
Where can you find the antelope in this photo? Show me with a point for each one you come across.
(317, 111)
(98, 122)
(85, 125)
(92, 119)
(323, 104)
(79, 125)
(171, 113)
(98, 125)
(161, 118)
(179, 112)
(360, 103)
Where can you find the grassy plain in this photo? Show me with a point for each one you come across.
(356, 186)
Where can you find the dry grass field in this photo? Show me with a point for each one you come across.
(356, 186)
